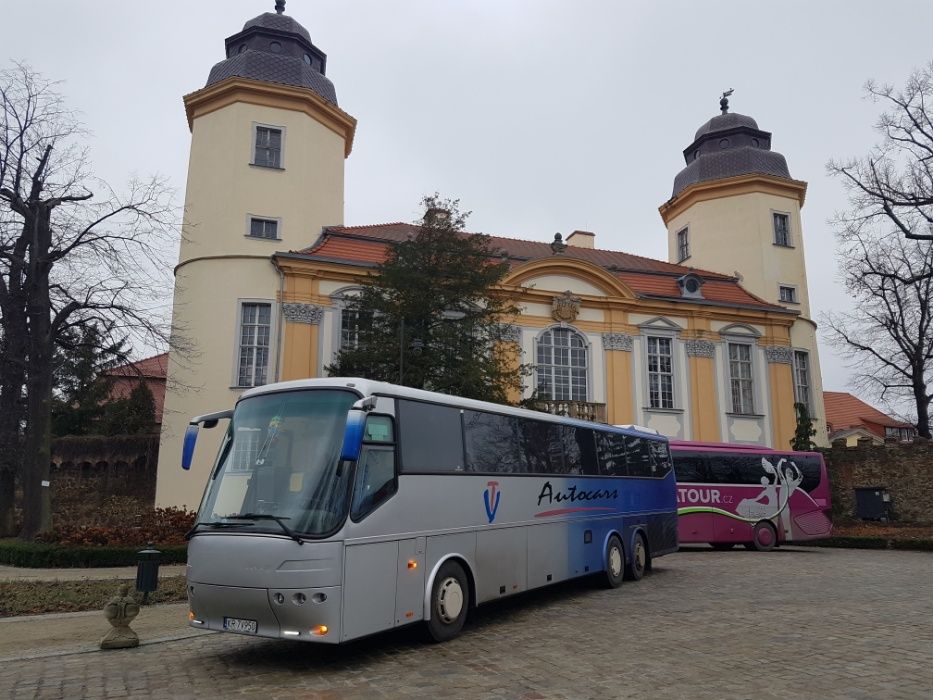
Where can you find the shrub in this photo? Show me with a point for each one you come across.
(124, 523)
(39, 555)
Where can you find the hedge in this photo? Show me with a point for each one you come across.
(856, 542)
(38, 555)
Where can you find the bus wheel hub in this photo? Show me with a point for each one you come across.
(449, 600)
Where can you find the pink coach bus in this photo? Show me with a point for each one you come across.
(755, 496)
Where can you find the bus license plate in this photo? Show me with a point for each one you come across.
(236, 624)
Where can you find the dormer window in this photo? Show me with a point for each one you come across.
(690, 286)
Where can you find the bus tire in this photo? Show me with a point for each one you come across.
(615, 562)
(636, 569)
(764, 536)
(722, 546)
(450, 598)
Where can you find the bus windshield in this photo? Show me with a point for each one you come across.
(278, 467)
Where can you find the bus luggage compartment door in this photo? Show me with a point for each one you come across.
(409, 592)
(369, 588)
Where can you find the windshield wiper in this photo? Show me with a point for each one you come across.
(262, 516)
(215, 525)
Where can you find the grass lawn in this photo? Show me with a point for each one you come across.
(33, 597)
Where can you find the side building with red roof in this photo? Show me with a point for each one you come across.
(850, 418)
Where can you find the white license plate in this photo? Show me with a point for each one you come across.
(236, 624)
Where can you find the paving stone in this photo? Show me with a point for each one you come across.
(796, 622)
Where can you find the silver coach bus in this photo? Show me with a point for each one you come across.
(338, 508)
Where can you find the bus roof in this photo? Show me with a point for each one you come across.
(368, 387)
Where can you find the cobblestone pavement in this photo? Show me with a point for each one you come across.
(797, 622)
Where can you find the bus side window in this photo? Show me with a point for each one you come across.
(691, 467)
(375, 480)
(610, 449)
(662, 458)
(640, 461)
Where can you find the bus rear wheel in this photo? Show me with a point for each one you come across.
(450, 598)
(635, 570)
(764, 537)
(615, 562)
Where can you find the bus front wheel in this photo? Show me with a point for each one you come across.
(764, 537)
(615, 562)
(639, 564)
(450, 598)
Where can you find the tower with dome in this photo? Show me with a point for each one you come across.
(735, 209)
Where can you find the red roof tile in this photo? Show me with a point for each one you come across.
(645, 276)
(843, 410)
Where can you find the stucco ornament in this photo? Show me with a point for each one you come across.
(120, 612)
(303, 313)
(618, 341)
(699, 348)
(566, 307)
(780, 354)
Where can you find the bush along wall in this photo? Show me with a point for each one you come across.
(39, 555)
(905, 469)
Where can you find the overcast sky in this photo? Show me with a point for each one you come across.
(540, 115)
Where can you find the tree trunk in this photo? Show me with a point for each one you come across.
(923, 410)
(12, 379)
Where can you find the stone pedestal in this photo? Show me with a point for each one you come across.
(120, 612)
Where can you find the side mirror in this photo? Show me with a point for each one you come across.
(353, 435)
(191, 434)
(187, 450)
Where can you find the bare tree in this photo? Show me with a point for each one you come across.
(893, 186)
(891, 329)
(73, 251)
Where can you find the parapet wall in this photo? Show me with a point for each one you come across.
(905, 469)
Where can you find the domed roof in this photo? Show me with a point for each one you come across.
(280, 23)
(722, 122)
(275, 48)
(729, 145)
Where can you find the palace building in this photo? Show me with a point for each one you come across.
(714, 344)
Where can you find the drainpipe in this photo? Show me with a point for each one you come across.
(280, 316)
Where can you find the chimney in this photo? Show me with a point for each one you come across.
(582, 239)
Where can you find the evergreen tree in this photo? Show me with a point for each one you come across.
(801, 441)
(81, 357)
(432, 318)
(130, 416)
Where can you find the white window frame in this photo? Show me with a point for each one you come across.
(256, 217)
(237, 344)
(683, 251)
(252, 147)
(793, 288)
(671, 374)
(587, 366)
(808, 384)
(751, 347)
(774, 231)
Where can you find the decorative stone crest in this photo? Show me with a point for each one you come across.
(780, 354)
(510, 333)
(120, 612)
(303, 313)
(566, 307)
(618, 341)
(700, 348)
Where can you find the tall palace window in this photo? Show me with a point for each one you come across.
(561, 366)
(660, 372)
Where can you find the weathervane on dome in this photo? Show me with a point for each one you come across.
(724, 101)
(280, 6)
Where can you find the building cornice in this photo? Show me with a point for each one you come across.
(731, 187)
(276, 95)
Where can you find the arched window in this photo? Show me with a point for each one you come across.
(561, 366)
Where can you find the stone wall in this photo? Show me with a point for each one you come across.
(87, 471)
(905, 469)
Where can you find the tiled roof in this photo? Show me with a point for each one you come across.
(645, 276)
(151, 368)
(843, 410)
(273, 68)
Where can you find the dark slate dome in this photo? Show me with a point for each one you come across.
(275, 48)
(729, 145)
